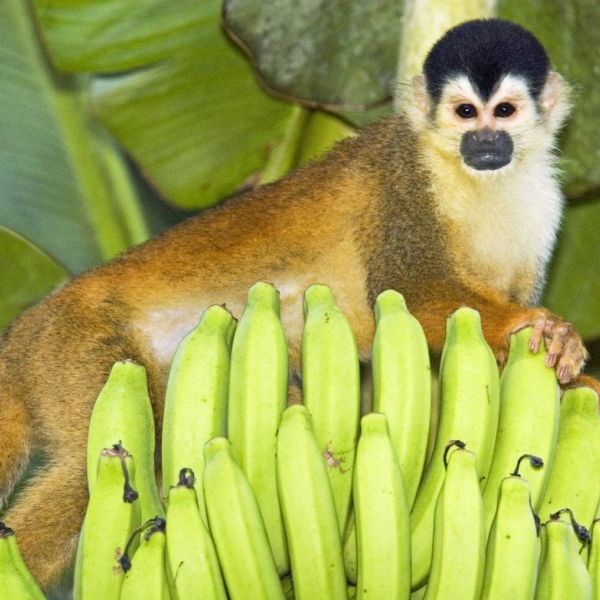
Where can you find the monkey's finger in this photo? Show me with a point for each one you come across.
(538, 329)
(572, 360)
(560, 335)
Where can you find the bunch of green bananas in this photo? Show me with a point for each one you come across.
(261, 500)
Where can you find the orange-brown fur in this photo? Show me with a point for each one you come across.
(362, 220)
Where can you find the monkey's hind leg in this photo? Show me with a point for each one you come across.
(15, 435)
(47, 514)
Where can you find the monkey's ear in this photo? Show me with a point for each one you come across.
(417, 102)
(555, 101)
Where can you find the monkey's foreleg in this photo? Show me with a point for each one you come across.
(500, 318)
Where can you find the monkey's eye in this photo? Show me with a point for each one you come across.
(504, 109)
(466, 111)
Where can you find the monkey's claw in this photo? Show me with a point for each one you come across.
(566, 352)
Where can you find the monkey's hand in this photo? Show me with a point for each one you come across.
(566, 352)
(500, 319)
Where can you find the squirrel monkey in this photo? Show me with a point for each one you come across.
(453, 201)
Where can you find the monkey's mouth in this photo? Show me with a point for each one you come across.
(487, 161)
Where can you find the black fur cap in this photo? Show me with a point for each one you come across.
(486, 50)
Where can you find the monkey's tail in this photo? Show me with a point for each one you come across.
(15, 434)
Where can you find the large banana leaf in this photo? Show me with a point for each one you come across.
(328, 52)
(574, 286)
(57, 177)
(193, 118)
(198, 125)
(27, 274)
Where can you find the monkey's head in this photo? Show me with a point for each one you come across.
(488, 97)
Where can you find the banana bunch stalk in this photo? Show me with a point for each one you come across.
(191, 557)
(528, 421)
(308, 510)
(577, 455)
(196, 398)
(16, 581)
(113, 513)
(459, 540)
(145, 577)
(402, 385)
(469, 388)
(331, 390)
(562, 572)
(382, 515)
(237, 527)
(514, 546)
(257, 398)
(123, 412)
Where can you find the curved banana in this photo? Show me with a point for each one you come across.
(257, 398)
(514, 546)
(382, 515)
(577, 456)
(331, 390)
(192, 561)
(123, 413)
(402, 384)
(15, 579)
(349, 549)
(112, 514)
(237, 527)
(469, 397)
(528, 421)
(458, 525)
(146, 578)
(196, 397)
(308, 511)
(562, 572)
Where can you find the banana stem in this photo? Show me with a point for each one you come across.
(581, 531)
(152, 526)
(450, 444)
(535, 461)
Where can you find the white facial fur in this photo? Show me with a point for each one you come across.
(506, 219)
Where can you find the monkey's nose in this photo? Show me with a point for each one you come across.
(485, 135)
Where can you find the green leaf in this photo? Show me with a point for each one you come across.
(27, 275)
(570, 33)
(198, 125)
(107, 36)
(573, 289)
(324, 52)
(54, 186)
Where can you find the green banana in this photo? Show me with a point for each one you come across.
(331, 390)
(237, 527)
(402, 384)
(308, 510)
(382, 515)
(145, 577)
(514, 547)
(196, 398)
(528, 422)
(469, 397)
(459, 539)
(16, 582)
(123, 412)
(191, 557)
(257, 398)
(112, 514)
(350, 550)
(577, 455)
(562, 571)
(593, 563)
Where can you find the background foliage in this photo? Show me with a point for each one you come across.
(119, 119)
